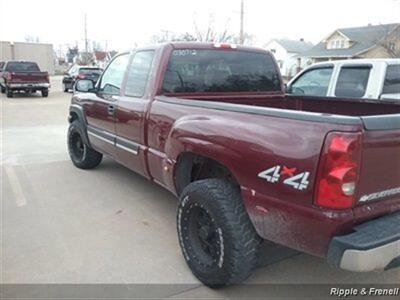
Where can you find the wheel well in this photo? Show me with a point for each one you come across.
(191, 167)
(73, 116)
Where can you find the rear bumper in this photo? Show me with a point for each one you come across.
(374, 245)
(28, 86)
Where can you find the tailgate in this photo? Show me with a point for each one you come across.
(379, 182)
(29, 77)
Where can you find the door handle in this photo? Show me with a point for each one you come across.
(111, 109)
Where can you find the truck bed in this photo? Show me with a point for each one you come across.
(325, 105)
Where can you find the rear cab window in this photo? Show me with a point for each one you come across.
(22, 67)
(85, 71)
(216, 70)
(392, 80)
(352, 81)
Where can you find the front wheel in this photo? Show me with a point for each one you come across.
(82, 156)
(9, 93)
(45, 93)
(217, 238)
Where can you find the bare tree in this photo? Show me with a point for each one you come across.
(169, 36)
(210, 33)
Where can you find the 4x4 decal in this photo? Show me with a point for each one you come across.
(274, 174)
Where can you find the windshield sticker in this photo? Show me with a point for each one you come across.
(184, 52)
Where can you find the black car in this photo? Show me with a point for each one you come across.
(80, 72)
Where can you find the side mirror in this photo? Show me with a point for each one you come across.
(84, 86)
(288, 89)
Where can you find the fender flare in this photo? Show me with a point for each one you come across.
(77, 112)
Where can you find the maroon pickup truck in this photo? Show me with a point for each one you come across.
(211, 124)
(23, 76)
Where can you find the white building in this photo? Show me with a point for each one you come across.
(42, 54)
(288, 55)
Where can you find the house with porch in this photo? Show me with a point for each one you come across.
(287, 54)
(372, 41)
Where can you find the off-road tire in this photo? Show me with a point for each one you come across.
(3, 89)
(236, 238)
(9, 93)
(45, 93)
(82, 156)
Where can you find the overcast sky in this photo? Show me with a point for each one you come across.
(123, 23)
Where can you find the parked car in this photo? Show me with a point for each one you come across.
(354, 78)
(80, 72)
(212, 124)
(23, 76)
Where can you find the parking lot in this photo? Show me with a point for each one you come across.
(61, 224)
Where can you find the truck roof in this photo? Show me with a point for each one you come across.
(362, 61)
(20, 61)
(201, 45)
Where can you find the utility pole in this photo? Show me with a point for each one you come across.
(241, 36)
(86, 39)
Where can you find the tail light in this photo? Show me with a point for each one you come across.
(47, 78)
(338, 170)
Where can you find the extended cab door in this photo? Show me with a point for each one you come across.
(101, 105)
(131, 111)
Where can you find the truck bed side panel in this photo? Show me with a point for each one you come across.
(250, 145)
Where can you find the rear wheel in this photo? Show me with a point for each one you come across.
(3, 89)
(65, 88)
(217, 238)
(9, 93)
(45, 93)
(81, 154)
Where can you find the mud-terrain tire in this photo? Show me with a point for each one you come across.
(217, 238)
(82, 156)
(45, 93)
(9, 93)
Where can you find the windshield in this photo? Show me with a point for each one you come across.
(22, 67)
(197, 71)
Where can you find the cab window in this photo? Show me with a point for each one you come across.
(138, 73)
(352, 81)
(111, 80)
(314, 82)
(392, 80)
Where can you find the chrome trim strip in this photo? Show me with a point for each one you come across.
(100, 138)
(127, 149)
(115, 140)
